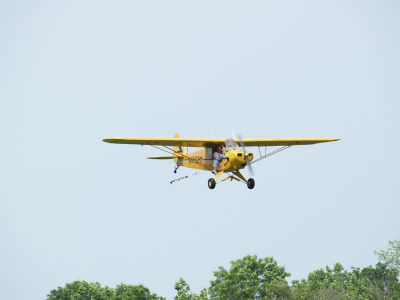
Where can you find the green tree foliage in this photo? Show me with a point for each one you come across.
(82, 290)
(390, 256)
(250, 278)
(183, 291)
(133, 292)
(380, 282)
(262, 278)
(337, 283)
(323, 284)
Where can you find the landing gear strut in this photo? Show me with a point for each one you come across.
(176, 168)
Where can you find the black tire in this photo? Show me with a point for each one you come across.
(211, 183)
(251, 183)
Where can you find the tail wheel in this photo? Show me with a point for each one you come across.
(211, 183)
(251, 183)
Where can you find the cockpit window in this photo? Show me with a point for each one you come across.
(230, 144)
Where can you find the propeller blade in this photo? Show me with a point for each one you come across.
(250, 167)
(248, 163)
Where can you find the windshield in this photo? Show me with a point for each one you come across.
(230, 144)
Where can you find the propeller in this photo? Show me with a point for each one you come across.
(246, 157)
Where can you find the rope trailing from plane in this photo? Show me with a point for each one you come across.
(183, 177)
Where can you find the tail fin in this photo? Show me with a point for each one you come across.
(178, 150)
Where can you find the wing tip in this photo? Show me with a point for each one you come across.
(113, 140)
(327, 140)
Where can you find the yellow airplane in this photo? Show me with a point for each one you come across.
(234, 158)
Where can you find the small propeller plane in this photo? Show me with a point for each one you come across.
(234, 159)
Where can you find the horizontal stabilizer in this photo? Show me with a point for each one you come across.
(161, 157)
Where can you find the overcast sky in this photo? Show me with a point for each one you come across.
(73, 72)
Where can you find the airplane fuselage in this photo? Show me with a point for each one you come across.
(202, 159)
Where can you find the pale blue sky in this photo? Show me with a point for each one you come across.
(74, 72)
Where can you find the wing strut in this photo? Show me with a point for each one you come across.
(270, 154)
(171, 151)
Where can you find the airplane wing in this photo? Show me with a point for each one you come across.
(216, 142)
(286, 141)
(166, 141)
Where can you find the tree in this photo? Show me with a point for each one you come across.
(183, 291)
(336, 283)
(381, 282)
(390, 256)
(250, 278)
(82, 290)
(331, 283)
(134, 292)
(262, 278)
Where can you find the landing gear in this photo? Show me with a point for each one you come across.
(251, 183)
(211, 183)
(237, 176)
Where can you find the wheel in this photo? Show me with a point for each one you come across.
(251, 183)
(211, 183)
